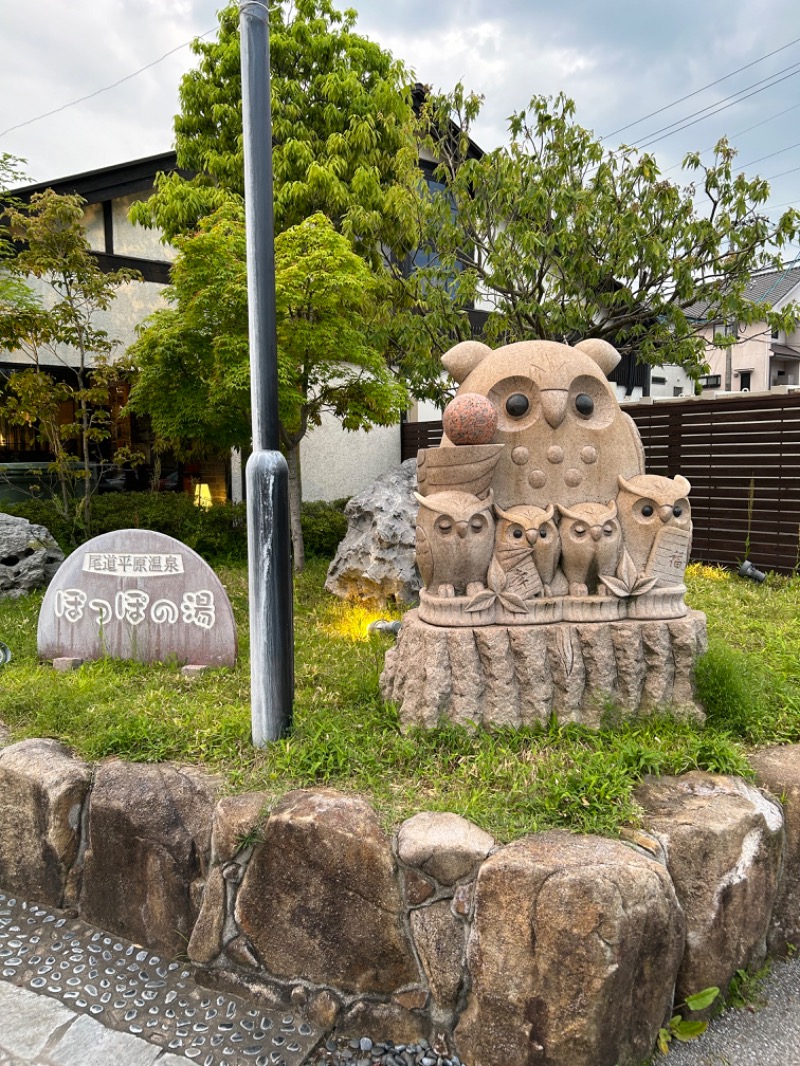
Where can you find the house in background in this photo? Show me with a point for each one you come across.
(110, 192)
(760, 360)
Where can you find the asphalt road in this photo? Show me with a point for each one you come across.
(761, 1036)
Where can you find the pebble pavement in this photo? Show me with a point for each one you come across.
(73, 995)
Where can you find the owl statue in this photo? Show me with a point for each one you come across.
(566, 438)
(656, 520)
(528, 548)
(591, 546)
(455, 542)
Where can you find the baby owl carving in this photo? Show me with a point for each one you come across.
(455, 542)
(656, 520)
(527, 546)
(591, 545)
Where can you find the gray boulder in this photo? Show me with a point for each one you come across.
(723, 840)
(148, 850)
(572, 956)
(375, 561)
(42, 792)
(29, 556)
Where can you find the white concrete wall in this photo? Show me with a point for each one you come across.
(336, 463)
(133, 303)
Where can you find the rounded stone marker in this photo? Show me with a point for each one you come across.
(470, 419)
(137, 594)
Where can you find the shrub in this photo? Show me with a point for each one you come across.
(218, 533)
(324, 526)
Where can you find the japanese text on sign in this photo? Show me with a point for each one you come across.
(134, 606)
(142, 564)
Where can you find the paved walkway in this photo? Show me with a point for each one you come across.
(72, 995)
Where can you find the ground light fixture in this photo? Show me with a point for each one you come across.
(384, 625)
(5, 654)
(749, 571)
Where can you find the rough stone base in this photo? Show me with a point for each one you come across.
(521, 675)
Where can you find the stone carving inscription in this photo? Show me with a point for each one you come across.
(140, 595)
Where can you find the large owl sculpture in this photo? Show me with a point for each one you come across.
(566, 437)
(656, 520)
(455, 542)
(528, 548)
(591, 546)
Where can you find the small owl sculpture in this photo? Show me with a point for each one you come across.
(591, 546)
(656, 520)
(528, 548)
(455, 542)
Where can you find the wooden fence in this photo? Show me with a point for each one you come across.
(742, 456)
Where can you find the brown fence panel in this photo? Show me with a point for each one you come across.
(742, 456)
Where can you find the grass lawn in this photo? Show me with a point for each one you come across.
(508, 782)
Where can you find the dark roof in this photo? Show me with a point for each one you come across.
(765, 286)
(770, 286)
(107, 183)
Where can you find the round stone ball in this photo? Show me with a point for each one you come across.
(470, 419)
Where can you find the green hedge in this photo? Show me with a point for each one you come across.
(217, 533)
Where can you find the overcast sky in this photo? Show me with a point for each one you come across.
(619, 60)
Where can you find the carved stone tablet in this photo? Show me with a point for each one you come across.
(136, 594)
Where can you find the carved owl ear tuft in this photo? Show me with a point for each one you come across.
(684, 486)
(604, 354)
(462, 359)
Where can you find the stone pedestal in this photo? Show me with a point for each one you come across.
(520, 675)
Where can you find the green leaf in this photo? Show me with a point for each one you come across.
(686, 1031)
(701, 1000)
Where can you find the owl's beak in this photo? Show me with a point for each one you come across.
(461, 529)
(554, 405)
(596, 532)
(531, 535)
(665, 512)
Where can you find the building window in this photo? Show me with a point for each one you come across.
(744, 380)
(711, 381)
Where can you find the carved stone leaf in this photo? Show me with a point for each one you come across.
(627, 571)
(618, 587)
(513, 603)
(481, 600)
(644, 585)
(497, 579)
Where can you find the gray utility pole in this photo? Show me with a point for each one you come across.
(269, 555)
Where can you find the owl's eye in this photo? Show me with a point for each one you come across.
(543, 533)
(677, 511)
(608, 529)
(579, 530)
(476, 524)
(517, 404)
(647, 510)
(444, 525)
(584, 404)
(517, 533)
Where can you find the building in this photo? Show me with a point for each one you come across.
(760, 360)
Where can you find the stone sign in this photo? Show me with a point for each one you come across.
(552, 563)
(136, 594)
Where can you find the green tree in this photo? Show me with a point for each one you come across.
(328, 312)
(343, 131)
(567, 240)
(58, 326)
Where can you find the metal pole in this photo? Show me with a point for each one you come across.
(267, 475)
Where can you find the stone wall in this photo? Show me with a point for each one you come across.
(555, 950)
